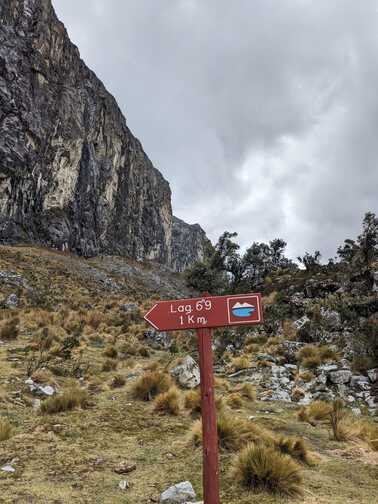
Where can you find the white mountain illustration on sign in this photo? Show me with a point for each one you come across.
(243, 309)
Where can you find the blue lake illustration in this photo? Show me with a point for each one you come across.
(243, 310)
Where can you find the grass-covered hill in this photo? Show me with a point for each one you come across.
(88, 400)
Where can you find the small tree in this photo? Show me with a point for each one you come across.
(311, 261)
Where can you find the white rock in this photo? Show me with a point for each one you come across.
(301, 322)
(124, 485)
(47, 390)
(341, 376)
(187, 373)
(373, 375)
(356, 411)
(181, 492)
(8, 468)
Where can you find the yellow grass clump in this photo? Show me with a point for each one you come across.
(259, 467)
(5, 429)
(168, 402)
(150, 384)
(69, 400)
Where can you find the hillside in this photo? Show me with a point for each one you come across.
(72, 327)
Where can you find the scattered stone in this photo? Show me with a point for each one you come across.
(327, 368)
(12, 301)
(361, 382)
(158, 340)
(298, 324)
(8, 468)
(331, 318)
(341, 376)
(187, 373)
(124, 485)
(36, 404)
(181, 492)
(124, 468)
(373, 375)
(266, 357)
(40, 389)
(129, 308)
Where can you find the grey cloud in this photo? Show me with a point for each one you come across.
(262, 114)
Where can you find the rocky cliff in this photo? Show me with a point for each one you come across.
(72, 175)
(189, 243)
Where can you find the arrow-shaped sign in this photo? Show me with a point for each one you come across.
(212, 311)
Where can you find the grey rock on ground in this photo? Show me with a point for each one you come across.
(158, 339)
(180, 493)
(187, 373)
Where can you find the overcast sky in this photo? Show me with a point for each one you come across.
(262, 114)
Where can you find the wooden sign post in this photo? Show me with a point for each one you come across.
(203, 314)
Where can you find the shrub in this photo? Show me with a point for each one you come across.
(70, 399)
(234, 401)
(118, 381)
(168, 402)
(234, 432)
(315, 412)
(9, 329)
(336, 415)
(306, 376)
(144, 351)
(289, 330)
(150, 384)
(193, 401)
(5, 429)
(111, 352)
(295, 447)
(239, 363)
(261, 467)
(311, 362)
(248, 390)
(109, 365)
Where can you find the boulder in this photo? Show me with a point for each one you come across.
(187, 373)
(181, 492)
(341, 376)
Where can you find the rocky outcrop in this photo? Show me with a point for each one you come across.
(72, 175)
(189, 243)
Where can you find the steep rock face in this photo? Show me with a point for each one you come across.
(189, 243)
(72, 176)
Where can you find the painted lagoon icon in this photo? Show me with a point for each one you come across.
(242, 309)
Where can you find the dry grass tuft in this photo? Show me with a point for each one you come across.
(247, 390)
(118, 381)
(234, 432)
(234, 401)
(111, 352)
(109, 365)
(317, 411)
(69, 400)
(150, 384)
(193, 401)
(5, 429)
(9, 329)
(311, 356)
(168, 402)
(239, 363)
(259, 467)
(296, 448)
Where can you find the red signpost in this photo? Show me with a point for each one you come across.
(203, 314)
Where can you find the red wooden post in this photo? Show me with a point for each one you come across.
(209, 420)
